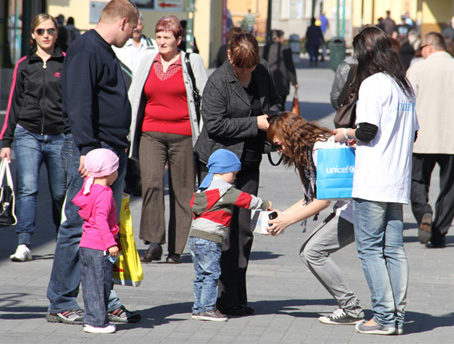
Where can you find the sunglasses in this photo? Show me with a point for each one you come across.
(277, 145)
(40, 32)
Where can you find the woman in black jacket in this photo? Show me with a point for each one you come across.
(34, 126)
(237, 99)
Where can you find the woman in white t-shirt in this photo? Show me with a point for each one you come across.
(386, 129)
(298, 141)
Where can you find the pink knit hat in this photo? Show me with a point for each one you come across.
(100, 162)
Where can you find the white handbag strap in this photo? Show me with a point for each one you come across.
(3, 165)
(4, 168)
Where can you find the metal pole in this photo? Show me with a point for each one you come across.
(190, 27)
(6, 51)
(26, 24)
(337, 18)
(268, 22)
(343, 18)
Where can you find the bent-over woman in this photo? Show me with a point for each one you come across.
(298, 141)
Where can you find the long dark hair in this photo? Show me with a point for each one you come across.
(375, 54)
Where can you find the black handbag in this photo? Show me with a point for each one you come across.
(195, 91)
(346, 114)
(7, 197)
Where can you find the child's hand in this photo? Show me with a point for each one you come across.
(271, 205)
(114, 250)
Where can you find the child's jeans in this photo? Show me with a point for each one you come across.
(206, 256)
(96, 278)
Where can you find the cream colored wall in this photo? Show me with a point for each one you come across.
(207, 19)
(78, 9)
(434, 12)
(259, 8)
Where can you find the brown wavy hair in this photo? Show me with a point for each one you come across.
(298, 139)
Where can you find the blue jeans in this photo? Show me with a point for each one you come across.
(96, 278)
(206, 256)
(31, 151)
(65, 276)
(379, 241)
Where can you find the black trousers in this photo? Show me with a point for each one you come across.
(237, 248)
(423, 165)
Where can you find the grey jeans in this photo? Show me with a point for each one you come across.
(315, 253)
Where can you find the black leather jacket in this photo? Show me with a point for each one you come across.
(227, 111)
(340, 79)
(35, 100)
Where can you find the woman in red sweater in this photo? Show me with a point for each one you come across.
(166, 125)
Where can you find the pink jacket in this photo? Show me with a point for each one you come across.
(98, 211)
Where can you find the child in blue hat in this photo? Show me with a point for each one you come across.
(212, 212)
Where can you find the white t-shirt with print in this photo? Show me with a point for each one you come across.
(383, 166)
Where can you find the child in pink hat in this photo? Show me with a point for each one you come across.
(98, 246)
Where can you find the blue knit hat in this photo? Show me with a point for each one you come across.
(221, 161)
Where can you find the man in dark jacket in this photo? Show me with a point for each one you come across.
(314, 38)
(96, 114)
(280, 62)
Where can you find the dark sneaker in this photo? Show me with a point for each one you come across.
(375, 329)
(69, 317)
(122, 315)
(425, 229)
(213, 315)
(339, 317)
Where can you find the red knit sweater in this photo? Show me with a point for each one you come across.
(166, 110)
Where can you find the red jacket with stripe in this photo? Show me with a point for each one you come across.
(212, 209)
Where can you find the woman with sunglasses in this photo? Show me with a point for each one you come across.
(33, 127)
(237, 100)
(298, 141)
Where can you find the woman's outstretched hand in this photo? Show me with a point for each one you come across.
(280, 223)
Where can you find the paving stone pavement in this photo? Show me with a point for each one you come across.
(286, 296)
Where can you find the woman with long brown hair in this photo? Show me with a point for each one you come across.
(298, 141)
(386, 129)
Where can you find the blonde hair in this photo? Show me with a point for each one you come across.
(118, 9)
(42, 17)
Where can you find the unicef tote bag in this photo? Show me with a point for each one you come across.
(335, 169)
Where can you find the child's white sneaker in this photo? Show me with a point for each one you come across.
(22, 254)
(92, 329)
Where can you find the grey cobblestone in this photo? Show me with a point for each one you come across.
(286, 296)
